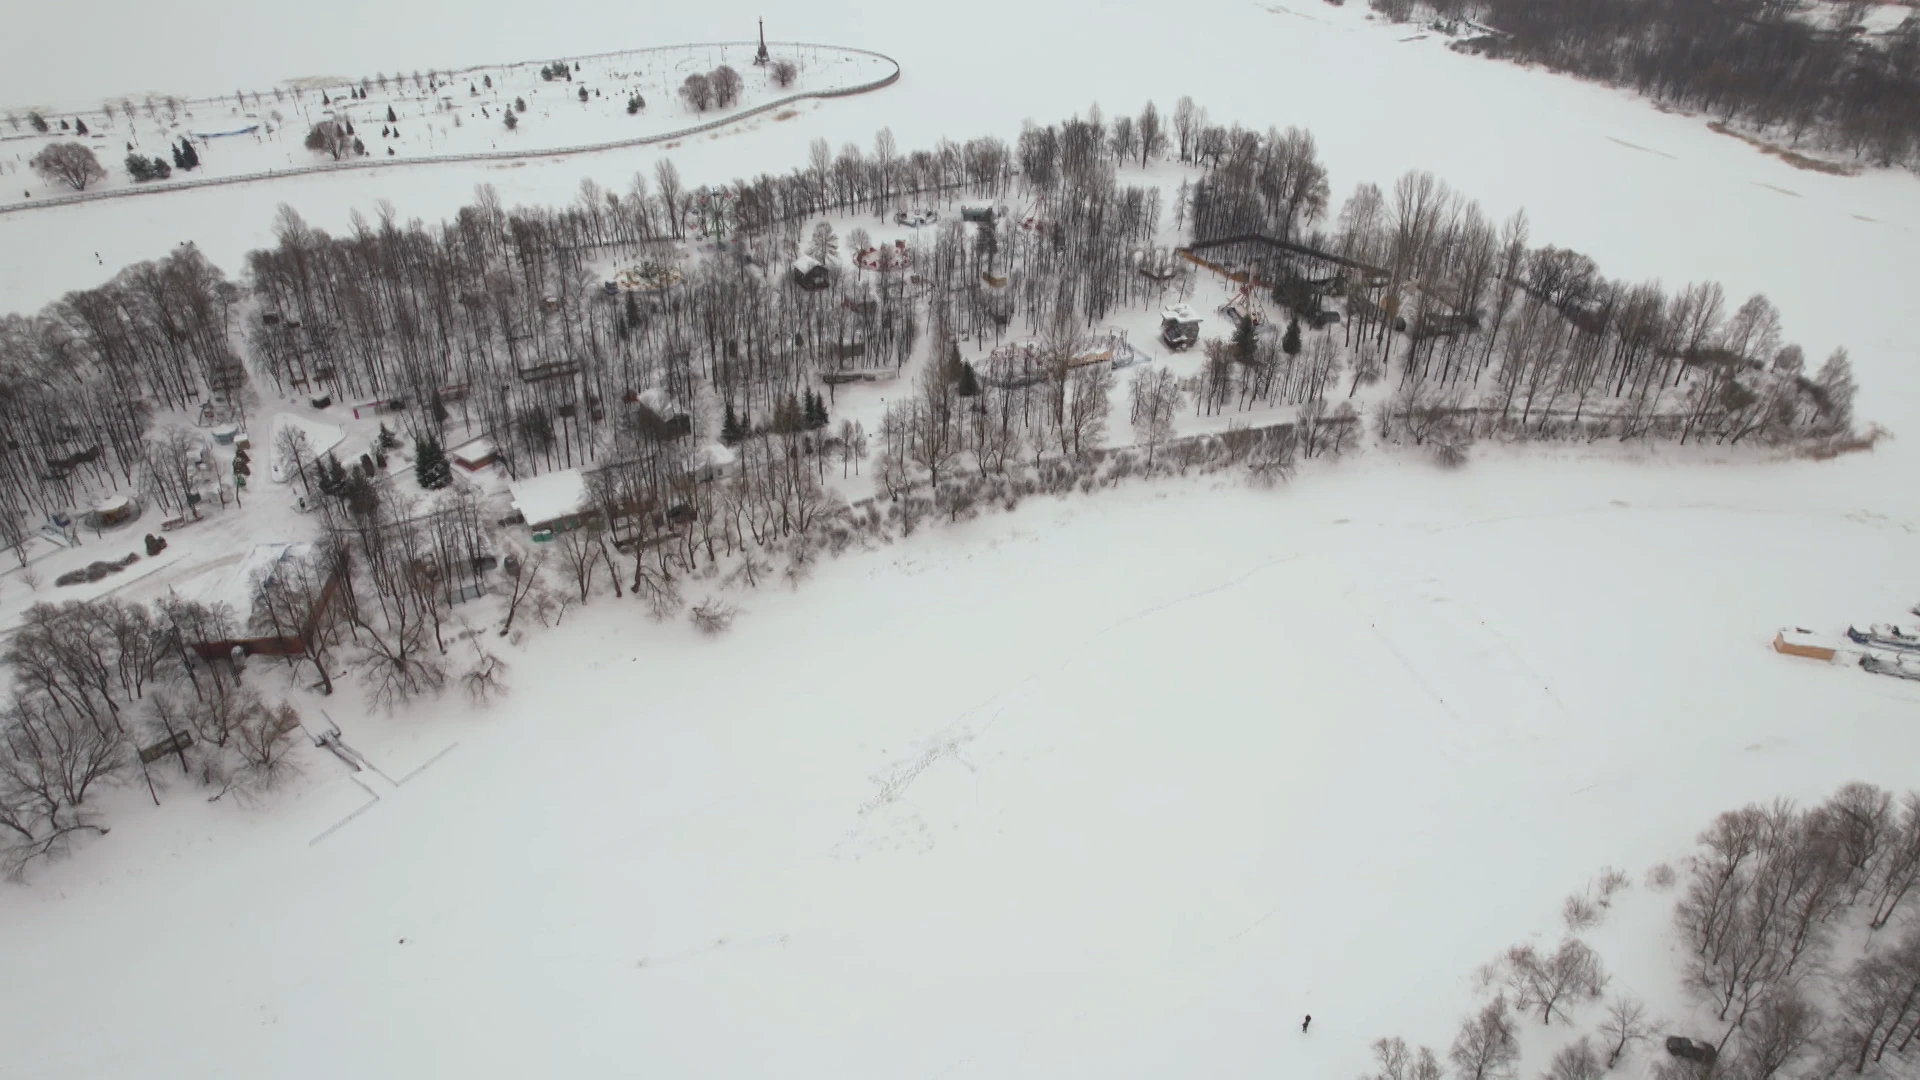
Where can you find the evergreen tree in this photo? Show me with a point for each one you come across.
(513, 121)
(192, 156)
(138, 169)
(79, 126)
(359, 494)
(430, 466)
(583, 95)
(486, 81)
(330, 475)
(632, 312)
(386, 439)
(1290, 342)
(1246, 340)
(39, 122)
(360, 148)
(390, 117)
(323, 98)
(969, 381)
(179, 160)
(730, 434)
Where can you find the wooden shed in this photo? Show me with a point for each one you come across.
(1799, 641)
(809, 274)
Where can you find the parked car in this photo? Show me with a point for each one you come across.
(1688, 1050)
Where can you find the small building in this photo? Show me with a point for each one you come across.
(552, 502)
(1798, 641)
(810, 274)
(256, 630)
(1179, 327)
(378, 407)
(474, 454)
(977, 211)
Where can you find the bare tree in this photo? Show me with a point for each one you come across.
(1575, 1061)
(1879, 1004)
(484, 682)
(1782, 1029)
(523, 580)
(712, 617)
(1899, 868)
(581, 552)
(1394, 1061)
(295, 455)
(1863, 824)
(1579, 913)
(1084, 426)
(1626, 1023)
(1552, 983)
(68, 163)
(1156, 400)
(697, 91)
(1486, 1047)
(330, 138)
(265, 743)
(726, 85)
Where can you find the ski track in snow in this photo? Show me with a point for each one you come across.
(1642, 149)
(892, 787)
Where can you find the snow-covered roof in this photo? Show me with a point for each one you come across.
(238, 585)
(550, 496)
(112, 504)
(659, 401)
(718, 455)
(473, 450)
(1179, 313)
(805, 264)
(320, 439)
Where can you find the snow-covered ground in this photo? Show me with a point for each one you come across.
(1118, 785)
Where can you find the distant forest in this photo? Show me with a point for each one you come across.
(1775, 65)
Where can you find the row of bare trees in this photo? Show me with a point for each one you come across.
(1799, 935)
(1768, 901)
(92, 684)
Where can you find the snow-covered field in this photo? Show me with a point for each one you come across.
(1119, 785)
(603, 99)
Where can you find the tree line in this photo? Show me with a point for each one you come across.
(1797, 937)
(1761, 63)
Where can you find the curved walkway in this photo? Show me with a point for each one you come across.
(496, 155)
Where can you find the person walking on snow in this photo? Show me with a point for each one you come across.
(1304, 1023)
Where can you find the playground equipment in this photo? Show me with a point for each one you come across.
(1244, 307)
(898, 256)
